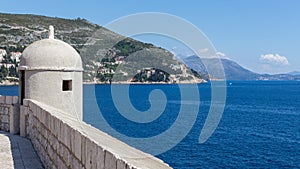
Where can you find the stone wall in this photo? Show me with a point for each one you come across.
(9, 114)
(65, 142)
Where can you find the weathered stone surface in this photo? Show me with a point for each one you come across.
(26, 102)
(47, 121)
(4, 119)
(15, 99)
(2, 99)
(110, 160)
(100, 158)
(77, 144)
(38, 112)
(22, 121)
(17, 152)
(83, 150)
(66, 136)
(5, 111)
(14, 119)
(88, 152)
(94, 155)
(9, 100)
(64, 143)
(57, 123)
(66, 156)
(32, 106)
(121, 164)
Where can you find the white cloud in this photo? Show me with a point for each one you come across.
(274, 59)
(220, 54)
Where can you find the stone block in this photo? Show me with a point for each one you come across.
(50, 150)
(60, 163)
(26, 111)
(77, 144)
(94, 154)
(83, 150)
(88, 153)
(67, 139)
(9, 100)
(47, 121)
(52, 123)
(15, 120)
(22, 121)
(61, 132)
(110, 160)
(121, 164)
(72, 143)
(26, 102)
(2, 100)
(15, 99)
(56, 144)
(55, 157)
(5, 119)
(50, 139)
(37, 112)
(31, 105)
(1, 110)
(38, 126)
(66, 156)
(43, 117)
(75, 163)
(60, 149)
(5, 111)
(57, 123)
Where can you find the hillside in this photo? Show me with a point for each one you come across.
(232, 70)
(106, 56)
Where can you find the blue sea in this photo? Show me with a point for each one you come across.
(260, 126)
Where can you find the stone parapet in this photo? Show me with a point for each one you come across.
(9, 114)
(65, 142)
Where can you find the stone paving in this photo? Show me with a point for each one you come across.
(17, 153)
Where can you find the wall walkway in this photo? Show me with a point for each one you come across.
(64, 142)
(16, 152)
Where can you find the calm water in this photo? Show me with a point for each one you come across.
(260, 126)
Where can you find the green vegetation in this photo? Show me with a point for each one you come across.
(151, 75)
(8, 65)
(129, 46)
(106, 56)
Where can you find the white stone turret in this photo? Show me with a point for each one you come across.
(51, 73)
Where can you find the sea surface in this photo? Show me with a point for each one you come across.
(260, 126)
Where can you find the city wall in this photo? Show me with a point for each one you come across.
(64, 142)
(9, 114)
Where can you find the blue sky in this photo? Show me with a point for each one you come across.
(262, 35)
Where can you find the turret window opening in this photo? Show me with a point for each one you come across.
(67, 85)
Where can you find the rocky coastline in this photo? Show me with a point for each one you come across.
(9, 83)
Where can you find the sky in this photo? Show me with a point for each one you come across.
(261, 35)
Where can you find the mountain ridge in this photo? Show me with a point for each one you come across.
(102, 51)
(232, 70)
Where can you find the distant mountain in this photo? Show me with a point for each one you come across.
(103, 51)
(232, 70)
(294, 73)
